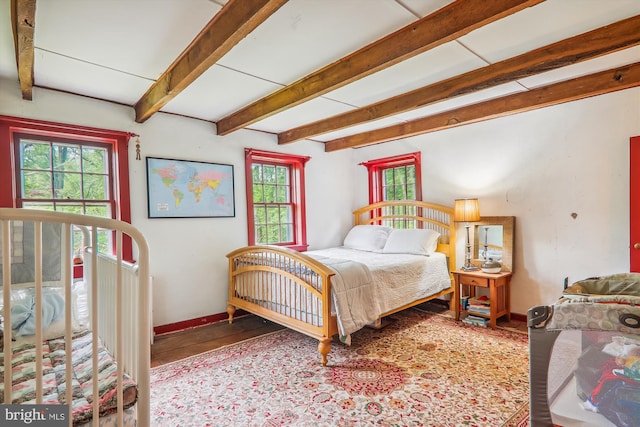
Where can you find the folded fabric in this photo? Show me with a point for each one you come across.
(23, 319)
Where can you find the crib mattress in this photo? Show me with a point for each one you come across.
(54, 388)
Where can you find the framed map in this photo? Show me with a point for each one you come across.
(189, 189)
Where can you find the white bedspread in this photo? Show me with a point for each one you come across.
(356, 299)
(368, 284)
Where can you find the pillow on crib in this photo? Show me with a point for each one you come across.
(53, 322)
(23, 319)
(411, 241)
(367, 237)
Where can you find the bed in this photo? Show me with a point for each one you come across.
(74, 314)
(585, 355)
(397, 255)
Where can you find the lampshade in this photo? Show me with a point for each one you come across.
(466, 210)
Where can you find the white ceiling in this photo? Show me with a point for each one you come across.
(116, 49)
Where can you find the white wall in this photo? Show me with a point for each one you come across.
(188, 260)
(540, 167)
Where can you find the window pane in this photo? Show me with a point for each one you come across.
(78, 241)
(273, 234)
(282, 175)
(258, 196)
(36, 185)
(67, 185)
(270, 194)
(282, 195)
(94, 160)
(102, 209)
(35, 155)
(286, 233)
(104, 242)
(75, 208)
(95, 187)
(65, 172)
(411, 175)
(387, 177)
(286, 214)
(400, 193)
(256, 173)
(269, 174)
(36, 205)
(388, 193)
(66, 158)
(399, 175)
(272, 214)
(411, 192)
(259, 215)
(261, 234)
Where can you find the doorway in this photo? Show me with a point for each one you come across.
(634, 204)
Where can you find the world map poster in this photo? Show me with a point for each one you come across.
(188, 189)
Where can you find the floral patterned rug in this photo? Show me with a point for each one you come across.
(423, 369)
(520, 418)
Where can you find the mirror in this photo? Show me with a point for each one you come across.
(495, 233)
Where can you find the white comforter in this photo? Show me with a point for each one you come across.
(368, 284)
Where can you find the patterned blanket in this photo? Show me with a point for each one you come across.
(54, 385)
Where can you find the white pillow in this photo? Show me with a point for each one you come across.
(411, 241)
(367, 237)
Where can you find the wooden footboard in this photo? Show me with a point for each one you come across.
(286, 287)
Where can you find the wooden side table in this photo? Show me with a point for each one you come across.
(498, 285)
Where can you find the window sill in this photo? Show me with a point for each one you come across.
(299, 248)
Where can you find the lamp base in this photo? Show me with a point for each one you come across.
(467, 264)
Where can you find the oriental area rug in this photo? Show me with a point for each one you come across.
(423, 369)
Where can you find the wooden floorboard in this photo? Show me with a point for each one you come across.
(178, 345)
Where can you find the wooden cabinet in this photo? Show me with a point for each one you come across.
(497, 284)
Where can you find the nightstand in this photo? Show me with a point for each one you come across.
(498, 285)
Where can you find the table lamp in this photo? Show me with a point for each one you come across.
(467, 210)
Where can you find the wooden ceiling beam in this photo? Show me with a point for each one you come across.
(592, 44)
(23, 21)
(232, 23)
(444, 25)
(579, 88)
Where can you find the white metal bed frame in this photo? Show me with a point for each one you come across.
(117, 285)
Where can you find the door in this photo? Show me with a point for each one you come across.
(634, 204)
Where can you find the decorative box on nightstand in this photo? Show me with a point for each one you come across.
(498, 298)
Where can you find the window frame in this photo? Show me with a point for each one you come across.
(297, 193)
(116, 142)
(376, 168)
(19, 137)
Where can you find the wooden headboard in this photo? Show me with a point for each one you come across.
(414, 214)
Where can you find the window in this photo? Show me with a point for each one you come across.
(65, 168)
(395, 178)
(275, 199)
(63, 175)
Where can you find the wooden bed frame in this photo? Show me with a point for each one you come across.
(253, 271)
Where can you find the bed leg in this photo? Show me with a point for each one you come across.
(231, 310)
(324, 346)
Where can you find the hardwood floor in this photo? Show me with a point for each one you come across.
(178, 345)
